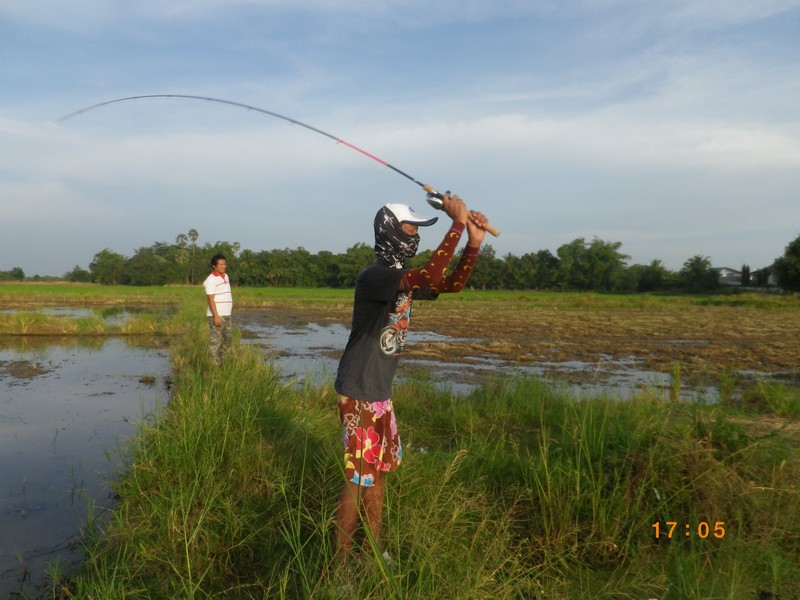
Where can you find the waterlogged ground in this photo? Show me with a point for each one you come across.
(65, 406)
(591, 348)
(308, 352)
(65, 401)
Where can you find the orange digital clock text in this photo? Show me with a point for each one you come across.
(702, 530)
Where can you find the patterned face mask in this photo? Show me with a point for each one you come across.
(393, 246)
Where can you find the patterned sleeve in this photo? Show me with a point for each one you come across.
(456, 281)
(434, 271)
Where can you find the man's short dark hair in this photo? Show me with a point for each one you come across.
(216, 258)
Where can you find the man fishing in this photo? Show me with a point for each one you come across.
(381, 311)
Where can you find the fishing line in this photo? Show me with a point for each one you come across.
(434, 197)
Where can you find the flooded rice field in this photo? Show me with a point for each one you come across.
(64, 410)
(67, 406)
(307, 348)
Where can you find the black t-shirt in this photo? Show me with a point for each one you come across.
(380, 323)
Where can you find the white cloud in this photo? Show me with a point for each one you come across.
(657, 123)
(632, 17)
(688, 12)
(50, 207)
(86, 15)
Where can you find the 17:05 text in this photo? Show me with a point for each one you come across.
(702, 530)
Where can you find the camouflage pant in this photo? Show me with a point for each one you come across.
(219, 339)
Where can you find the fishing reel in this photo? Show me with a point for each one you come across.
(435, 198)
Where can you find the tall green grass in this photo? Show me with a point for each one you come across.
(517, 490)
(151, 321)
(76, 294)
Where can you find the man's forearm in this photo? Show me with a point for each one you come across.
(212, 306)
(433, 272)
(455, 281)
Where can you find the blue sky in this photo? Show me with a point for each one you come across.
(671, 127)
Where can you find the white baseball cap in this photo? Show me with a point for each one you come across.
(406, 214)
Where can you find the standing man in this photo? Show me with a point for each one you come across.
(220, 306)
(381, 312)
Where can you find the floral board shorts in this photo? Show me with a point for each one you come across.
(371, 443)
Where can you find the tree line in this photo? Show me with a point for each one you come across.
(580, 265)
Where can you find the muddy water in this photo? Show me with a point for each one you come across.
(64, 408)
(305, 351)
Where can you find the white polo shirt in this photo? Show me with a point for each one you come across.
(219, 286)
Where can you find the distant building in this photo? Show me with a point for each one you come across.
(759, 278)
(728, 276)
(764, 277)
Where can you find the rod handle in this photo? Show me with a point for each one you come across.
(489, 229)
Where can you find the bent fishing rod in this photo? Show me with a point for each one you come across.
(434, 198)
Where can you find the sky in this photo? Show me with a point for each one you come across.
(671, 127)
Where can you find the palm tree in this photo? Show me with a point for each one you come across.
(193, 235)
(182, 256)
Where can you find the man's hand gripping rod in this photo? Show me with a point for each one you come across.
(435, 200)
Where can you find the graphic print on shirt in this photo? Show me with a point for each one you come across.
(393, 336)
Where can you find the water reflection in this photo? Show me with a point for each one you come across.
(310, 352)
(65, 400)
(304, 353)
(111, 315)
(55, 311)
(63, 404)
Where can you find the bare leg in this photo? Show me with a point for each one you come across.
(373, 511)
(347, 518)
